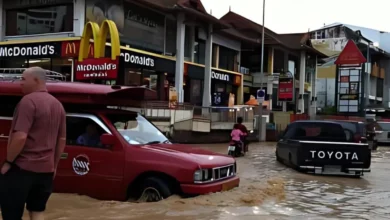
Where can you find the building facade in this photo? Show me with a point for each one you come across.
(163, 44)
(282, 53)
(374, 45)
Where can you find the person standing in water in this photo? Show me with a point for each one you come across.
(36, 141)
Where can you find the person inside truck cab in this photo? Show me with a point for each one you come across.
(91, 137)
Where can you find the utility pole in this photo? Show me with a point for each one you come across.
(260, 119)
(367, 83)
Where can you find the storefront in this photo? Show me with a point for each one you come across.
(223, 83)
(154, 72)
(48, 55)
(193, 88)
(138, 68)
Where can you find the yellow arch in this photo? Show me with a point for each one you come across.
(91, 29)
(99, 35)
(109, 27)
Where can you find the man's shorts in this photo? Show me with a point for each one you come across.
(21, 187)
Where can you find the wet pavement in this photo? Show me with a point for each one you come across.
(268, 190)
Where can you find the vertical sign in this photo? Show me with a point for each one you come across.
(286, 87)
(350, 89)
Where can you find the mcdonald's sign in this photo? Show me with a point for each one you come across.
(98, 67)
(71, 49)
(99, 36)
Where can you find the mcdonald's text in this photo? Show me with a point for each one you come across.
(26, 51)
(97, 68)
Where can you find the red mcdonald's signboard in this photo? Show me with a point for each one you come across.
(96, 68)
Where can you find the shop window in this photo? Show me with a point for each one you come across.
(150, 79)
(63, 66)
(45, 63)
(39, 20)
(188, 43)
(379, 87)
(133, 77)
(142, 77)
(142, 27)
(196, 92)
(200, 51)
(15, 62)
(227, 58)
(170, 37)
(215, 56)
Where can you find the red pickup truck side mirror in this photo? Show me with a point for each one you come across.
(108, 139)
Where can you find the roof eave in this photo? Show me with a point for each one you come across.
(217, 24)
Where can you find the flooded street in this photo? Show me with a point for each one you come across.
(268, 190)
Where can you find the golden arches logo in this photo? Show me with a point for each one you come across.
(99, 36)
(70, 48)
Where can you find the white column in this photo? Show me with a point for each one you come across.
(179, 73)
(2, 23)
(314, 91)
(302, 70)
(285, 69)
(78, 17)
(192, 39)
(206, 101)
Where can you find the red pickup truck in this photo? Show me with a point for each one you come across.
(126, 156)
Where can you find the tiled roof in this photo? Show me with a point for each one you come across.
(194, 8)
(239, 22)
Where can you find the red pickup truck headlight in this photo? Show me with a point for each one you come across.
(203, 175)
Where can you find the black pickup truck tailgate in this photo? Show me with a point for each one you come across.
(318, 153)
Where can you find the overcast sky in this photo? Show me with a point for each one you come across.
(291, 16)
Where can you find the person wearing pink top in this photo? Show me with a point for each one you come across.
(236, 136)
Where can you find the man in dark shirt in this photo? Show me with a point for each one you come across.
(244, 130)
(36, 142)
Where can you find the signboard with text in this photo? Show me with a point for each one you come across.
(33, 50)
(348, 87)
(96, 68)
(286, 89)
(225, 77)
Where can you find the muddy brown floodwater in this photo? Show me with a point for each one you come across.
(268, 190)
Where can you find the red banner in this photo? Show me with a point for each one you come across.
(97, 68)
(286, 89)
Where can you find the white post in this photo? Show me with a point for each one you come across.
(72, 71)
(302, 70)
(260, 125)
(79, 17)
(179, 73)
(206, 101)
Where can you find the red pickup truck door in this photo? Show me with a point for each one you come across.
(95, 171)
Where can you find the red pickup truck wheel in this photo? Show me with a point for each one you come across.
(153, 189)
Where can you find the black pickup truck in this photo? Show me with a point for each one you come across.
(321, 147)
